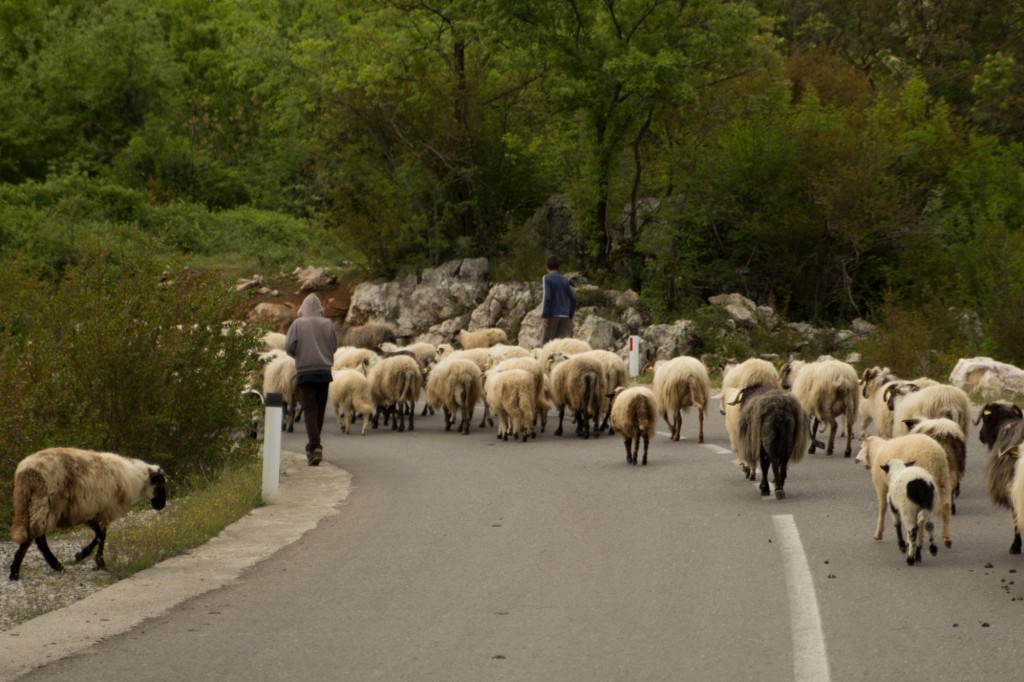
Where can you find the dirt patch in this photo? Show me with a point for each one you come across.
(336, 299)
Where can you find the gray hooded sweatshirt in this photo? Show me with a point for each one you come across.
(312, 341)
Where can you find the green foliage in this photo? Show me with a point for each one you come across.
(126, 354)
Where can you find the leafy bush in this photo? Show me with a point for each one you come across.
(126, 355)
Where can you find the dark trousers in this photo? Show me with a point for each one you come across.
(313, 398)
(558, 327)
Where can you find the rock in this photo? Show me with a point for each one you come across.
(252, 283)
(314, 279)
(726, 300)
(741, 315)
(767, 317)
(627, 299)
(505, 305)
(597, 331)
(632, 318)
(278, 315)
(530, 331)
(988, 378)
(666, 341)
(442, 333)
(862, 327)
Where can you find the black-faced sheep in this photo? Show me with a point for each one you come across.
(911, 498)
(773, 430)
(827, 389)
(634, 414)
(578, 383)
(679, 384)
(946, 433)
(512, 395)
(455, 385)
(480, 338)
(395, 384)
(926, 453)
(1002, 431)
(348, 394)
(910, 401)
(371, 335)
(65, 487)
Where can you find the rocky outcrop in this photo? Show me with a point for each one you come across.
(987, 378)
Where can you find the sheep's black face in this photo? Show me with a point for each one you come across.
(159, 483)
(993, 417)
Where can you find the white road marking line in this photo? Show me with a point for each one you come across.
(718, 449)
(810, 659)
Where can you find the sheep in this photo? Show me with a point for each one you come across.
(371, 336)
(273, 341)
(350, 357)
(65, 487)
(634, 414)
(512, 394)
(279, 376)
(918, 448)
(873, 408)
(911, 498)
(909, 401)
(566, 346)
(773, 429)
(454, 385)
(616, 374)
(501, 352)
(748, 373)
(1002, 431)
(349, 393)
(578, 382)
(542, 383)
(733, 408)
(679, 384)
(826, 390)
(395, 384)
(481, 338)
(946, 433)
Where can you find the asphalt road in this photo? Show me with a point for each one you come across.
(463, 558)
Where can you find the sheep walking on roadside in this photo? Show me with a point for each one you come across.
(542, 383)
(65, 487)
(911, 498)
(910, 401)
(946, 433)
(481, 338)
(827, 390)
(512, 395)
(348, 394)
(634, 414)
(873, 409)
(1002, 432)
(578, 382)
(456, 386)
(773, 430)
(395, 384)
(616, 374)
(280, 376)
(679, 384)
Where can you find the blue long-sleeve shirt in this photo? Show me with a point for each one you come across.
(559, 299)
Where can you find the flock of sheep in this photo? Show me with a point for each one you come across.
(917, 455)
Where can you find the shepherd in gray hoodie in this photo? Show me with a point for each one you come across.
(312, 341)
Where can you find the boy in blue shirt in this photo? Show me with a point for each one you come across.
(559, 305)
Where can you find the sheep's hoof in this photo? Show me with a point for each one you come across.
(13, 576)
(902, 545)
(947, 543)
(910, 561)
(765, 491)
(100, 564)
(780, 494)
(933, 549)
(1014, 549)
(499, 436)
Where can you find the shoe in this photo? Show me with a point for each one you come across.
(314, 458)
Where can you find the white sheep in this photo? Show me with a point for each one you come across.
(273, 341)
(773, 431)
(930, 402)
(544, 398)
(349, 393)
(926, 453)
(455, 385)
(678, 385)
(501, 352)
(873, 409)
(480, 338)
(827, 390)
(351, 357)
(565, 346)
(911, 498)
(634, 414)
(578, 382)
(395, 384)
(946, 433)
(280, 376)
(512, 395)
(753, 371)
(616, 374)
(65, 487)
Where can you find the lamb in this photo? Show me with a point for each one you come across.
(826, 390)
(512, 395)
(481, 338)
(371, 336)
(65, 487)
(395, 384)
(616, 374)
(578, 382)
(873, 406)
(918, 448)
(634, 414)
(909, 401)
(1002, 431)
(679, 384)
(455, 385)
(279, 376)
(946, 433)
(911, 498)
(348, 393)
(773, 429)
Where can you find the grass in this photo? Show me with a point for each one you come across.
(145, 538)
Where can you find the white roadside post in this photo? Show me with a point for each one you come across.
(634, 353)
(272, 446)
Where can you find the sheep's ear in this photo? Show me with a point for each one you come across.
(911, 462)
(611, 396)
(911, 423)
(885, 468)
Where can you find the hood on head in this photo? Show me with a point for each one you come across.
(311, 307)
